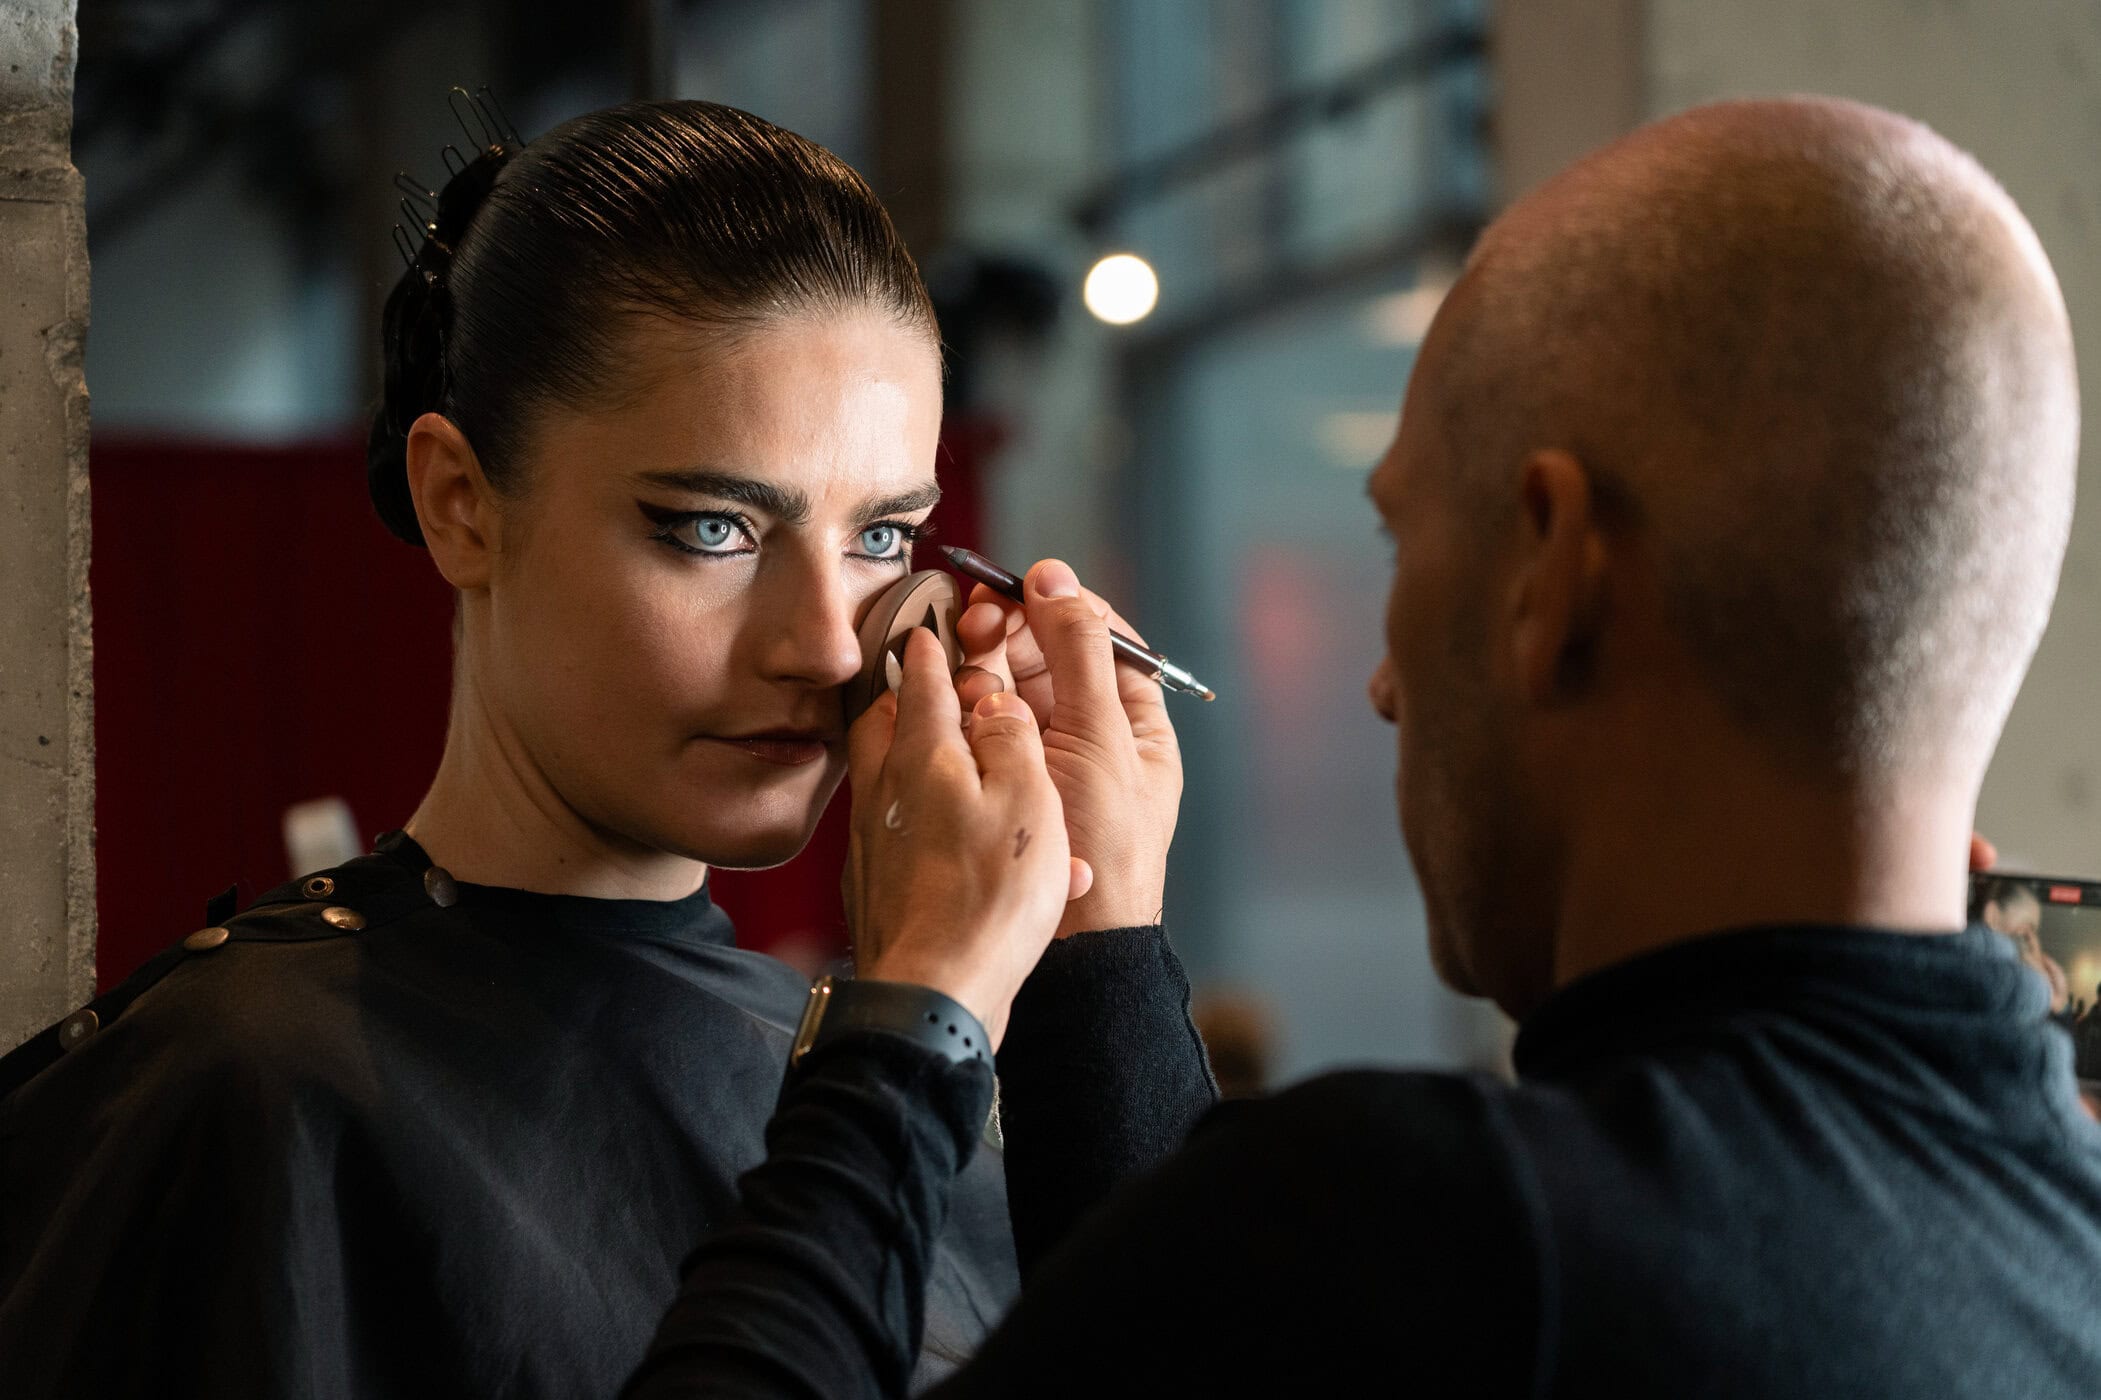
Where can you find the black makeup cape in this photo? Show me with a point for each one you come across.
(393, 1135)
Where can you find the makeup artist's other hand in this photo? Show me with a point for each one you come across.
(1107, 740)
(957, 866)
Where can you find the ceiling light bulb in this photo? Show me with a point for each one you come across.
(1121, 288)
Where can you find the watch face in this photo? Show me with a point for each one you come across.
(812, 1018)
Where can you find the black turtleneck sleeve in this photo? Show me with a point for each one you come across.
(1101, 1076)
(813, 1290)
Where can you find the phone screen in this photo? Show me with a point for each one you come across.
(2055, 924)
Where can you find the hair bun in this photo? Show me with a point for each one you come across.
(413, 384)
(387, 479)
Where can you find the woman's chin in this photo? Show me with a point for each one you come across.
(753, 851)
(753, 830)
(757, 843)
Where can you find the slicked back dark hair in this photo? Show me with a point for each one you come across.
(687, 210)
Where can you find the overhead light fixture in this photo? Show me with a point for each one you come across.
(1121, 288)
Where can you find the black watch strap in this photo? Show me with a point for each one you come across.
(919, 1014)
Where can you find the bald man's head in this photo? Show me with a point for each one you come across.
(1815, 354)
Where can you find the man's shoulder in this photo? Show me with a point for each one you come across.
(1448, 1134)
(1368, 1205)
(1398, 1106)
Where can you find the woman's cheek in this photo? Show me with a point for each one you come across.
(689, 638)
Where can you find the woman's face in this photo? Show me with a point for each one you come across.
(673, 602)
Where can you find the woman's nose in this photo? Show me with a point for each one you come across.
(814, 639)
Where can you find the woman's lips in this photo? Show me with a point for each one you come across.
(786, 750)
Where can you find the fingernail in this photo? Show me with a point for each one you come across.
(999, 702)
(1057, 580)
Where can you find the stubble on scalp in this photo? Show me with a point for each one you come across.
(1816, 352)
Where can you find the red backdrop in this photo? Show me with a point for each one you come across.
(261, 640)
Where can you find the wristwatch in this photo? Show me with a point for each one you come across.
(920, 1014)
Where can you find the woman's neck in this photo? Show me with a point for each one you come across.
(491, 817)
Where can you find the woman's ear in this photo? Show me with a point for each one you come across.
(1561, 586)
(454, 503)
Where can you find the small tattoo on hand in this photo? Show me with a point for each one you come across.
(1021, 842)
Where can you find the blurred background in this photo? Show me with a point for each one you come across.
(1301, 178)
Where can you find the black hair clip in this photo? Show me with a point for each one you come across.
(490, 121)
(436, 219)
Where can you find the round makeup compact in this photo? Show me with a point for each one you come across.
(926, 600)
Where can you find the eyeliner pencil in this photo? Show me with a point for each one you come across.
(973, 565)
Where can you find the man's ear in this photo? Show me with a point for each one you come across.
(1560, 596)
(454, 502)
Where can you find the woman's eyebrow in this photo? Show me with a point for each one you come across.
(783, 503)
(904, 503)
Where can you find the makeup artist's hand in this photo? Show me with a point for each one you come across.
(1107, 741)
(957, 866)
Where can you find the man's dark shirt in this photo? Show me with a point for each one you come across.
(1779, 1162)
(442, 1148)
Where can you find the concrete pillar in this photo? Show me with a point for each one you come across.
(2011, 81)
(47, 719)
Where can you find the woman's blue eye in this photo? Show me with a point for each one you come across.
(720, 534)
(882, 541)
(714, 534)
